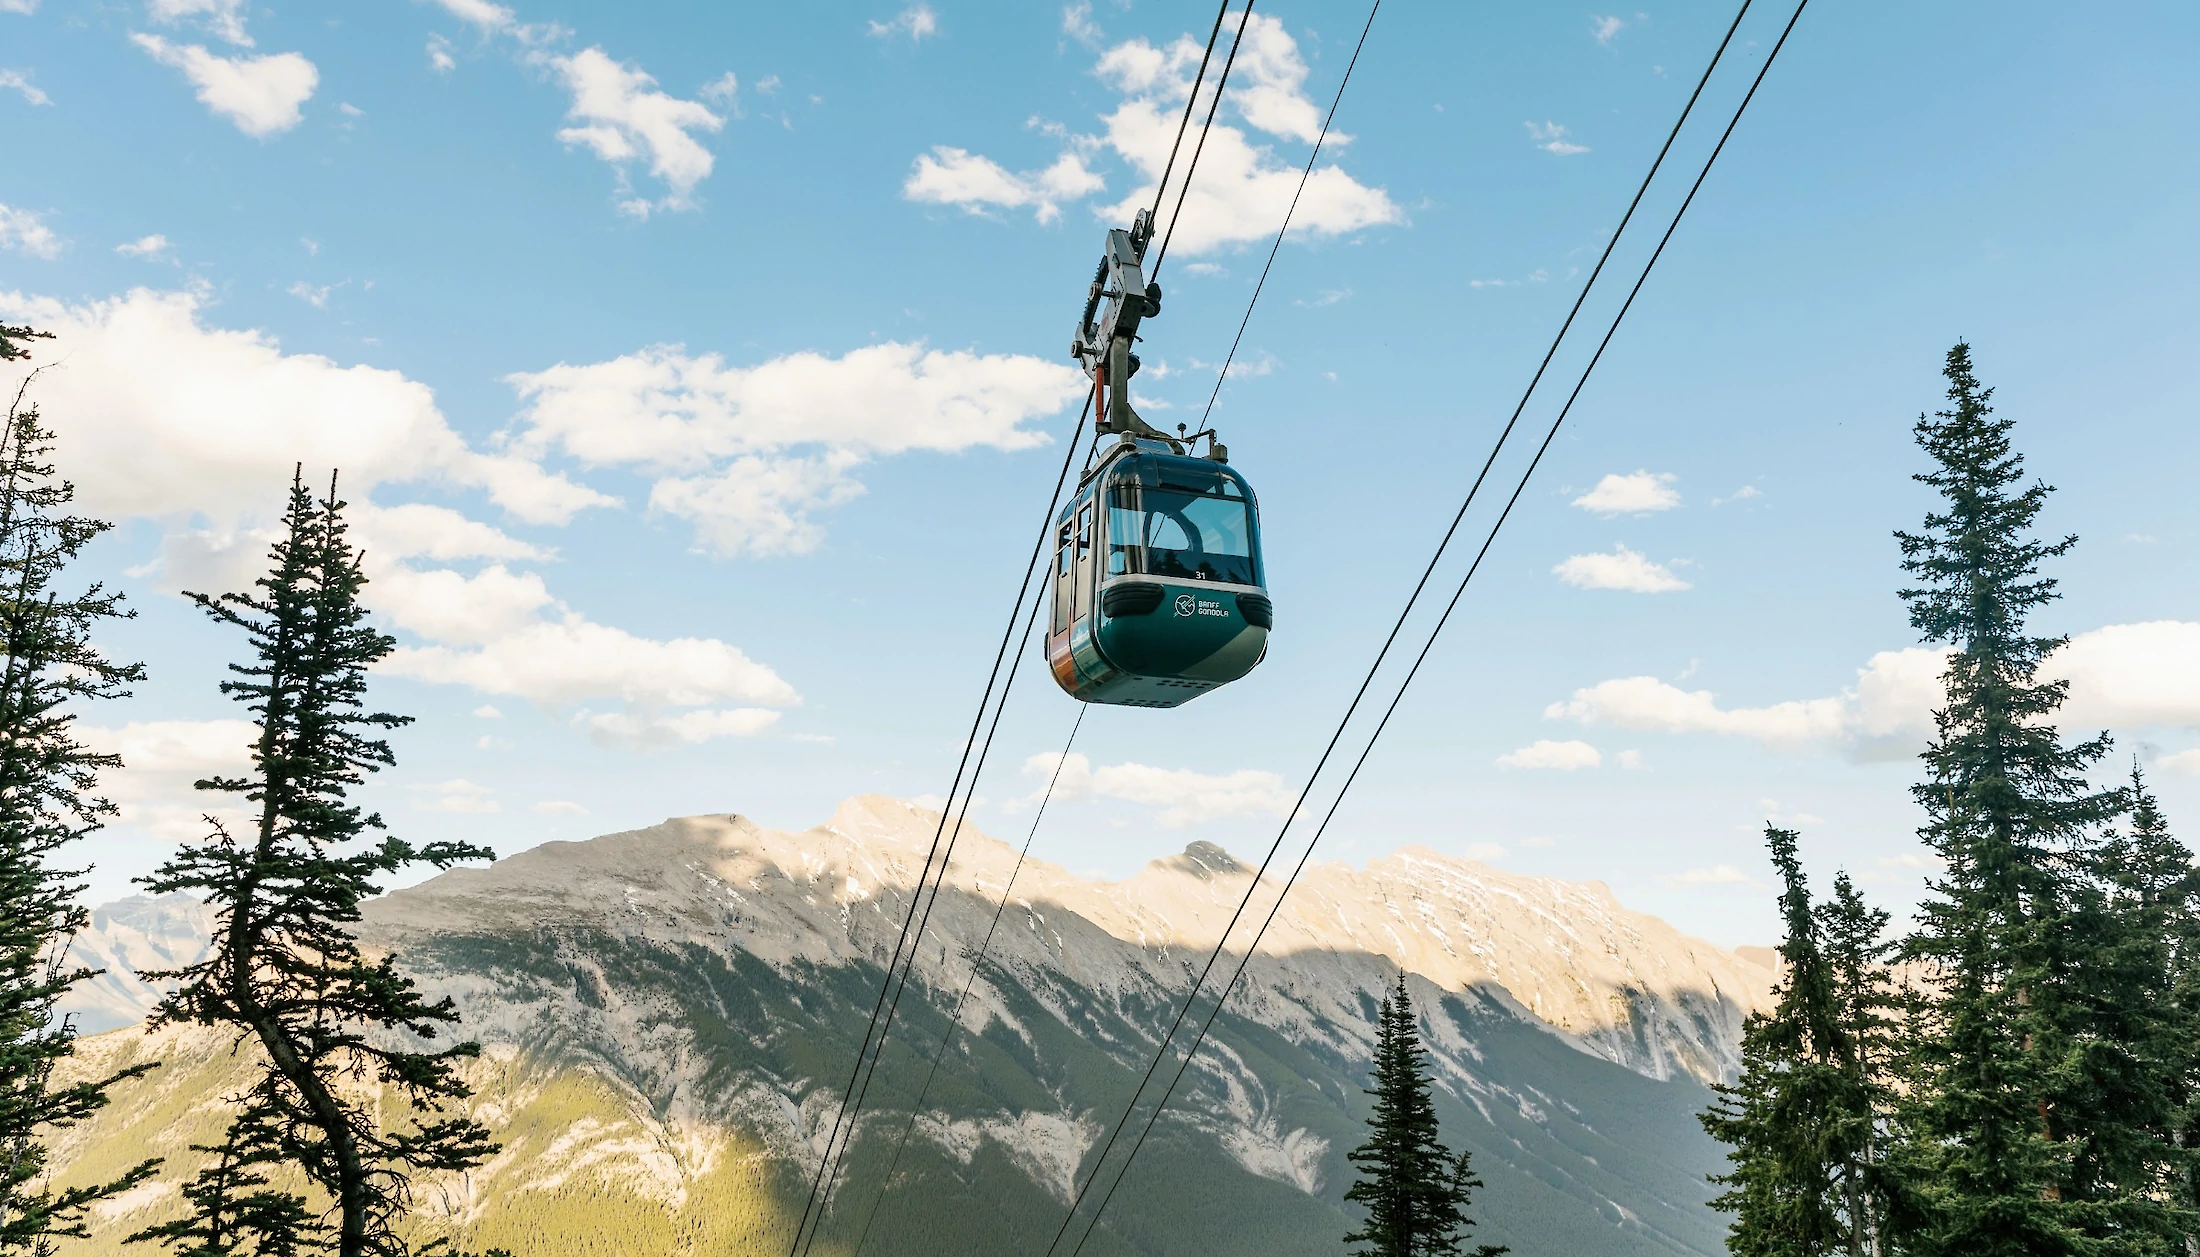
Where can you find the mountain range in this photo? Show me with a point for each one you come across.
(668, 1016)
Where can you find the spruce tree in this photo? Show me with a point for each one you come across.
(2140, 1061)
(1996, 1108)
(1853, 937)
(1415, 1192)
(48, 800)
(285, 971)
(1800, 1123)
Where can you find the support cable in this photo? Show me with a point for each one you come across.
(842, 1134)
(901, 986)
(977, 961)
(1304, 175)
(1161, 189)
(845, 1115)
(1176, 212)
(1428, 646)
(1412, 600)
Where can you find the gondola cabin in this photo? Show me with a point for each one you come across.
(1158, 590)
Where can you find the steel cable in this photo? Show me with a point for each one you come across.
(1176, 212)
(1429, 645)
(846, 1113)
(1304, 175)
(1420, 586)
(977, 961)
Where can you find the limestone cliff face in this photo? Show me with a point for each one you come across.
(668, 1015)
(1622, 985)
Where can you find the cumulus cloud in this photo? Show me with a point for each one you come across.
(574, 660)
(917, 22)
(745, 453)
(181, 418)
(1563, 756)
(1184, 797)
(953, 176)
(620, 116)
(144, 247)
(16, 80)
(223, 19)
(1639, 493)
(1551, 138)
(460, 796)
(1606, 29)
(1244, 185)
(652, 732)
(24, 232)
(2122, 676)
(489, 18)
(260, 95)
(198, 428)
(1623, 569)
(2183, 763)
(160, 759)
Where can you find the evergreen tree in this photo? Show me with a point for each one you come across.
(2139, 1062)
(48, 799)
(1852, 935)
(1800, 1123)
(1415, 1192)
(1996, 1110)
(285, 970)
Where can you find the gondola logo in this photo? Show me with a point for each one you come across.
(1186, 605)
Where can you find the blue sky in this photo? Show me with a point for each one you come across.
(700, 376)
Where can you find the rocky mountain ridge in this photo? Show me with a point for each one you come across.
(667, 1015)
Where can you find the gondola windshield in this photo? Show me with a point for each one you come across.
(1183, 531)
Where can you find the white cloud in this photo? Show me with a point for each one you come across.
(1563, 756)
(144, 247)
(461, 796)
(25, 232)
(620, 116)
(453, 608)
(953, 176)
(1632, 761)
(1184, 797)
(1077, 24)
(1244, 185)
(917, 21)
(1485, 851)
(2183, 763)
(1623, 569)
(160, 759)
(15, 79)
(2122, 676)
(1639, 493)
(312, 296)
(1551, 138)
(1716, 875)
(488, 712)
(261, 95)
(560, 807)
(745, 453)
(490, 18)
(25, 7)
(724, 90)
(1743, 494)
(439, 55)
(2132, 676)
(1606, 29)
(651, 732)
(222, 18)
(180, 418)
(574, 660)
